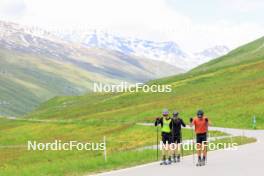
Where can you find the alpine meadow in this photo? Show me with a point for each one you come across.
(229, 89)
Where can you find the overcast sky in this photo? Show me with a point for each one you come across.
(193, 24)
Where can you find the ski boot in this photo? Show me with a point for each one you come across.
(174, 159)
(178, 158)
(199, 162)
(169, 161)
(203, 162)
(163, 162)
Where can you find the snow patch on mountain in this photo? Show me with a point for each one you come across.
(49, 42)
(168, 52)
(211, 53)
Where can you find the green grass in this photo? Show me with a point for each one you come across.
(122, 141)
(28, 80)
(230, 90)
(121, 146)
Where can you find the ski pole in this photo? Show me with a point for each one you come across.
(206, 147)
(157, 143)
(181, 147)
(192, 129)
(172, 136)
(193, 145)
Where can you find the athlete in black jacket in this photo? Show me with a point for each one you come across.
(177, 123)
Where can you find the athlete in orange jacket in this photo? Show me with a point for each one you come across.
(201, 123)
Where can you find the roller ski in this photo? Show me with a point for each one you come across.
(199, 163)
(163, 163)
(176, 159)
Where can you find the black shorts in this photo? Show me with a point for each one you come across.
(176, 139)
(201, 138)
(166, 137)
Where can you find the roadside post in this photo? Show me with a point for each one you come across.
(254, 122)
(105, 154)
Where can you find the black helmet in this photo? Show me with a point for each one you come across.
(175, 114)
(200, 113)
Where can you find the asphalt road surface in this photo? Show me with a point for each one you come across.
(247, 160)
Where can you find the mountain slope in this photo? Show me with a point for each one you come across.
(251, 52)
(230, 89)
(168, 52)
(35, 65)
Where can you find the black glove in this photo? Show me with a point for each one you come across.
(206, 120)
(191, 120)
(157, 121)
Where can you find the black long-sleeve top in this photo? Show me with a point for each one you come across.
(177, 123)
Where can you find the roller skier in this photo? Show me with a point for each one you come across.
(200, 123)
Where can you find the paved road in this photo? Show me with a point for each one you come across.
(248, 160)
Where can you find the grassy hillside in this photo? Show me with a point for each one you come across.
(229, 89)
(35, 67)
(230, 93)
(28, 79)
(249, 53)
(123, 143)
